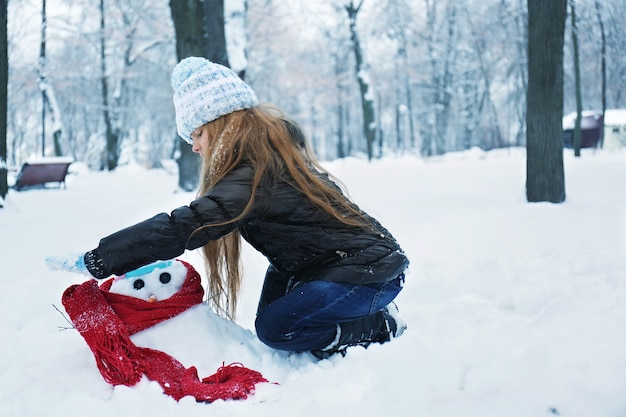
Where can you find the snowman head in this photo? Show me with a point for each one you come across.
(154, 282)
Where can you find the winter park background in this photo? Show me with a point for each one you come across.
(514, 309)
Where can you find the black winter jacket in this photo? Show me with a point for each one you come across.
(299, 239)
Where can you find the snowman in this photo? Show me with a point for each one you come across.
(107, 315)
(154, 282)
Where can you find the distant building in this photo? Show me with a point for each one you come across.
(591, 132)
(590, 129)
(614, 128)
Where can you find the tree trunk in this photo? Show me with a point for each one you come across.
(48, 97)
(50, 101)
(4, 78)
(404, 103)
(119, 98)
(341, 148)
(42, 76)
(444, 80)
(521, 22)
(579, 96)
(603, 53)
(112, 137)
(482, 108)
(216, 32)
(442, 50)
(196, 22)
(367, 97)
(545, 179)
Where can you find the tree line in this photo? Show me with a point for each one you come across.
(362, 77)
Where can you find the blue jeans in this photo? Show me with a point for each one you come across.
(306, 318)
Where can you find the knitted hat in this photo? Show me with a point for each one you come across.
(205, 91)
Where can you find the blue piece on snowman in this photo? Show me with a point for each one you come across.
(154, 282)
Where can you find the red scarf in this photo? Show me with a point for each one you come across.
(106, 320)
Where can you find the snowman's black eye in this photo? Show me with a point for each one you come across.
(139, 284)
(165, 277)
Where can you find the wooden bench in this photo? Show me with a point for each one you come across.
(41, 172)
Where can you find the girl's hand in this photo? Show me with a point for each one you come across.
(70, 263)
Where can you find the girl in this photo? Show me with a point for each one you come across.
(333, 270)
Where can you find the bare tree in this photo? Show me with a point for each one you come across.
(603, 60)
(200, 31)
(545, 179)
(111, 134)
(441, 42)
(4, 79)
(405, 129)
(367, 96)
(577, 87)
(481, 113)
(215, 31)
(48, 96)
(457, 69)
(340, 64)
(521, 46)
(191, 40)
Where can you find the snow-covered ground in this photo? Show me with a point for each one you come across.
(514, 309)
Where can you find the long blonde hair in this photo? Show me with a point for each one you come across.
(272, 145)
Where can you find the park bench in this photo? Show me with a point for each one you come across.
(42, 171)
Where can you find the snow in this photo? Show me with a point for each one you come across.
(588, 119)
(612, 117)
(235, 27)
(514, 309)
(615, 117)
(37, 159)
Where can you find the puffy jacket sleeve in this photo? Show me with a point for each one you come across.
(166, 236)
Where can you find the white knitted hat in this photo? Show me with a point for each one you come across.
(205, 91)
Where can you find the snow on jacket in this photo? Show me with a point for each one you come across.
(297, 237)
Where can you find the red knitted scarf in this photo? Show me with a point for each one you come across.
(106, 320)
